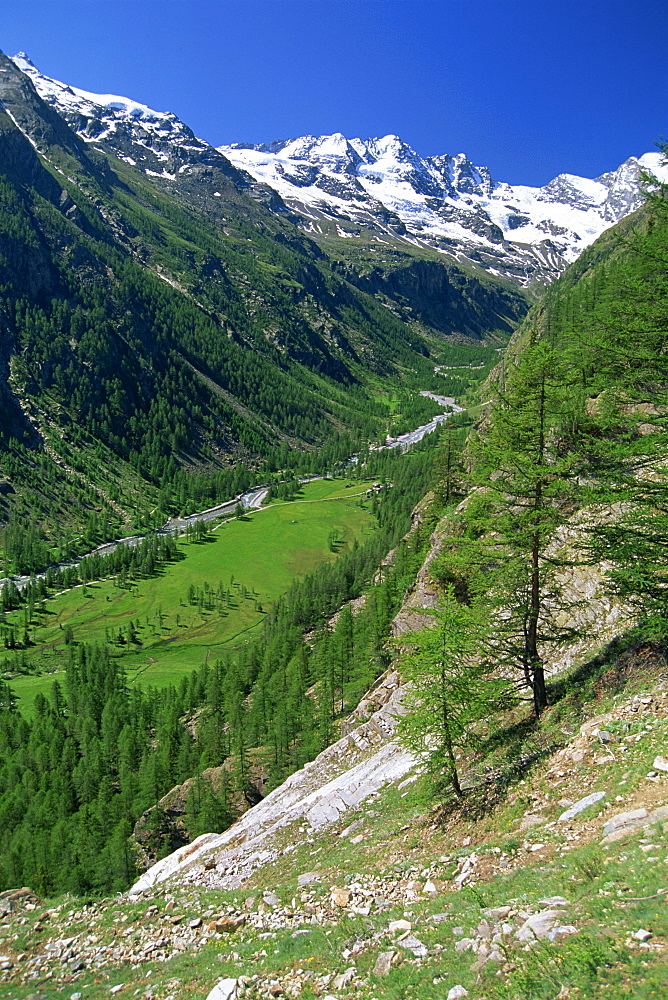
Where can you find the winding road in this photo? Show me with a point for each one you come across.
(251, 499)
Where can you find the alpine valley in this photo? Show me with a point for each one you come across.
(333, 520)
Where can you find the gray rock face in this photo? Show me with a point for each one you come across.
(580, 806)
(226, 989)
(340, 778)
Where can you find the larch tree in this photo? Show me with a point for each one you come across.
(630, 457)
(525, 481)
(451, 690)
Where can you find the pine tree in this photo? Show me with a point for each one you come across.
(524, 476)
(451, 690)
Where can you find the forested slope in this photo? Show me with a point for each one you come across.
(165, 339)
(100, 752)
(567, 466)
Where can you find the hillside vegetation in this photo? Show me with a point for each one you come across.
(574, 441)
(151, 365)
(166, 344)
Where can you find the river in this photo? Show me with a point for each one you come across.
(250, 499)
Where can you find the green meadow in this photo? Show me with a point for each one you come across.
(212, 600)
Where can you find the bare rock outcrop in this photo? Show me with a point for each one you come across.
(344, 775)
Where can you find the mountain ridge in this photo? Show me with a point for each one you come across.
(443, 200)
(373, 190)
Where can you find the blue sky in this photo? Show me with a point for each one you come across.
(530, 88)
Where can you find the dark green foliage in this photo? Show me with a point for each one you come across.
(98, 754)
(74, 780)
(631, 408)
(527, 480)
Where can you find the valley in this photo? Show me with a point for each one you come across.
(333, 520)
(211, 599)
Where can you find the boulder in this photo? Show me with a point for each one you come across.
(413, 944)
(561, 931)
(383, 963)
(528, 822)
(226, 989)
(13, 900)
(538, 926)
(399, 926)
(227, 925)
(307, 877)
(631, 818)
(343, 978)
(340, 897)
(580, 806)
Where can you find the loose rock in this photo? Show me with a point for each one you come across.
(411, 943)
(226, 989)
(580, 806)
(457, 992)
(538, 926)
(383, 963)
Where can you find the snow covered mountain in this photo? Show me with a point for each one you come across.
(155, 141)
(444, 203)
(378, 192)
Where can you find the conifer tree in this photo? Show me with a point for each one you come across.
(524, 477)
(629, 441)
(451, 690)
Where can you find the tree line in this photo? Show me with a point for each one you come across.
(575, 436)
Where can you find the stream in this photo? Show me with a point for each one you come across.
(251, 499)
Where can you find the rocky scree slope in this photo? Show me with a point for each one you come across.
(387, 895)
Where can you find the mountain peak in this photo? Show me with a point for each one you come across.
(157, 142)
(24, 58)
(446, 201)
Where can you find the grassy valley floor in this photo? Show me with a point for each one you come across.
(210, 601)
